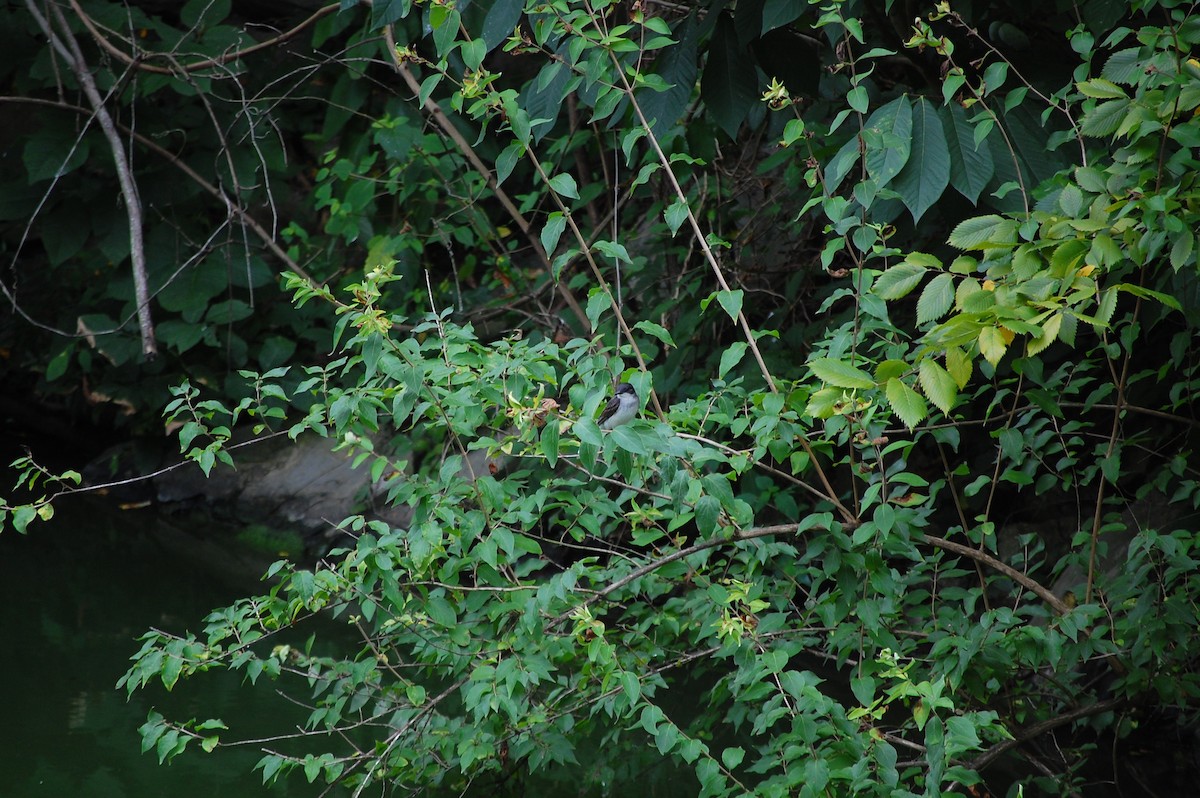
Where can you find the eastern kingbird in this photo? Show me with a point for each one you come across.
(621, 409)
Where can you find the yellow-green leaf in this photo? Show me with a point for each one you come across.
(899, 280)
(840, 374)
(992, 344)
(906, 403)
(937, 384)
(958, 366)
(936, 299)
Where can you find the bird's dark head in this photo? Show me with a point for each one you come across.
(624, 388)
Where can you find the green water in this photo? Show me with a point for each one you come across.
(76, 593)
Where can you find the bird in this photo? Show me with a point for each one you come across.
(621, 408)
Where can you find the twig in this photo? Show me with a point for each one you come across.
(448, 128)
(139, 61)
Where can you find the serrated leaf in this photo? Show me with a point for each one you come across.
(898, 280)
(1100, 89)
(937, 299)
(1105, 308)
(840, 373)
(1146, 293)
(958, 366)
(1181, 249)
(983, 232)
(888, 136)
(906, 403)
(1124, 66)
(1070, 199)
(1105, 118)
(992, 344)
(924, 177)
(938, 385)
(1049, 334)
(971, 165)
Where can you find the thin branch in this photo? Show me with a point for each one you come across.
(139, 61)
(1038, 729)
(231, 207)
(1042, 592)
(448, 128)
(133, 204)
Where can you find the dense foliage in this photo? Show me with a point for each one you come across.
(906, 292)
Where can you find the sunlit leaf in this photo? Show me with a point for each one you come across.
(906, 403)
(840, 373)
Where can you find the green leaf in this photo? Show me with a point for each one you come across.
(937, 298)
(657, 330)
(731, 357)
(507, 159)
(840, 374)
(550, 441)
(564, 185)
(729, 86)
(924, 177)
(971, 165)
(598, 302)
(473, 52)
(1100, 89)
(614, 251)
(1182, 250)
(1146, 293)
(1070, 199)
(677, 66)
(906, 403)
(502, 17)
(676, 214)
(731, 301)
(1105, 308)
(708, 510)
(984, 232)
(630, 440)
(1105, 118)
(958, 366)
(899, 280)
(732, 757)
(992, 344)
(312, 768)
(889, 138)
(937, 384)
(47, 155)
(552, 231)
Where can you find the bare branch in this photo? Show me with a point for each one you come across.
(133, 204)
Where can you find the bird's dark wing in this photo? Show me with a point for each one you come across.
(609, 409)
